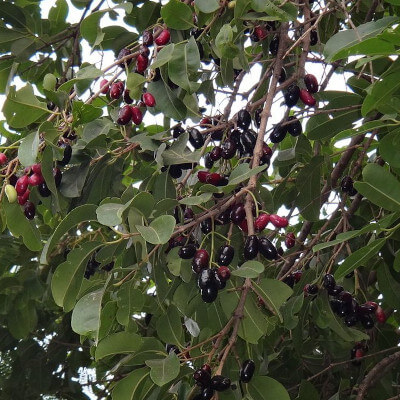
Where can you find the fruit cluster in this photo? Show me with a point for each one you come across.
(346, 306)
(209, 384)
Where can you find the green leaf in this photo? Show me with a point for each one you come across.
(260, 385)
(90, 26)
(290, 309)
(185, 62)
(224, 42)
(207, 6)
(67, 279)
(177, 15)
(129, 301)
(79, 214)
(163, 56)
(196, 200)
(165, 370)
(249, 269)
(134, 84)
(117, 343)
(74, 179)
(129, 388)
(22, 320)
(85, 318)
(110, 214)
(387, 144)
(380, 187)
(169, 327)
(349, 41)
(274, 293)
(388, 286)
(243, 172)
(159, 231)
(308, 183)
(359, 258)
(22, 107)
(20, 226)
(179, 153)
(84, 113)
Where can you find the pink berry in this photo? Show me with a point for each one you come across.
(35, 179)
(37, 168)
(104, 87)
(22, 185)
(261, 222)
(3, 159)
(278, 222)
(307, 98)
(24, 198)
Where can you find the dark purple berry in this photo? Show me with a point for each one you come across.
(187, 252)
(251, 247)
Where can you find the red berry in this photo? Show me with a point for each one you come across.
(261, 32)
(373, 304)
(278, 222)
(311, 83)
(290, 240)
(359, 353)
(137, 115)
(3, 159)
(307, 98)
(22, 185)
(206, 367)
(37, 168)
(267, 150)
(214, 178)
(104, 87)
(142, 62)
(223, 273)
(205, 122)
(261, 222)
(149, 100)
(163, 38)
(124, 115)
(202, 176)
(24, 198)
(297, 275)
(116, 90)
(380, 315)
(243, 226)
(35, 179)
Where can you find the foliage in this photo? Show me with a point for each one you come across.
(93, 274)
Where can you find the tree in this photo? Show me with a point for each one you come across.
(201, 251)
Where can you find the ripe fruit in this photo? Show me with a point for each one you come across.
(244, 119)
(350, 320)
(209, 293)
(142, 62)
(223, 273)
(123, 53)
(251, 247)
(238, 213)
(328, 281)
(224, 255)
(267, 151)
(290, 240)
(149, 100)
(137, 115)
(116, 90)
(22, 185)
(200, 260)
(196, 139)
(35, 179)
(282, 76)
(261, 222)
(57, 176)
(127, 98)
(367, 321)
(243, 226)
(187, 252)
(24, 198)
(177, 131)
(147, 38)
(163, 38)
(274, 45)
(202, 176)
(124, 115)
(267, 249)
(44, 190)
(104, 87)
(313, 37)
(206, 394)
(247, 141)
(37, 168)
(207, 368)
(214, 178)
(347, 184)
(215, 153)
(247, 371)
(228, 149)
(307, 98)
(202, 377)
(3, 159)
(175, 171)
(29, 210)
(257, 117)
(208, 163)
(11, 193)
(292, 95)
(278, 134)
(294, 127)
(310, 289)
(278, 222)
(66, 155)
(220, 383)
(261, 32)
(311, 83)
(205, 278)
(144, 50)
(380, 315)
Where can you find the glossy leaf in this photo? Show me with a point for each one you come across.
(164, 370)
(249, 269)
